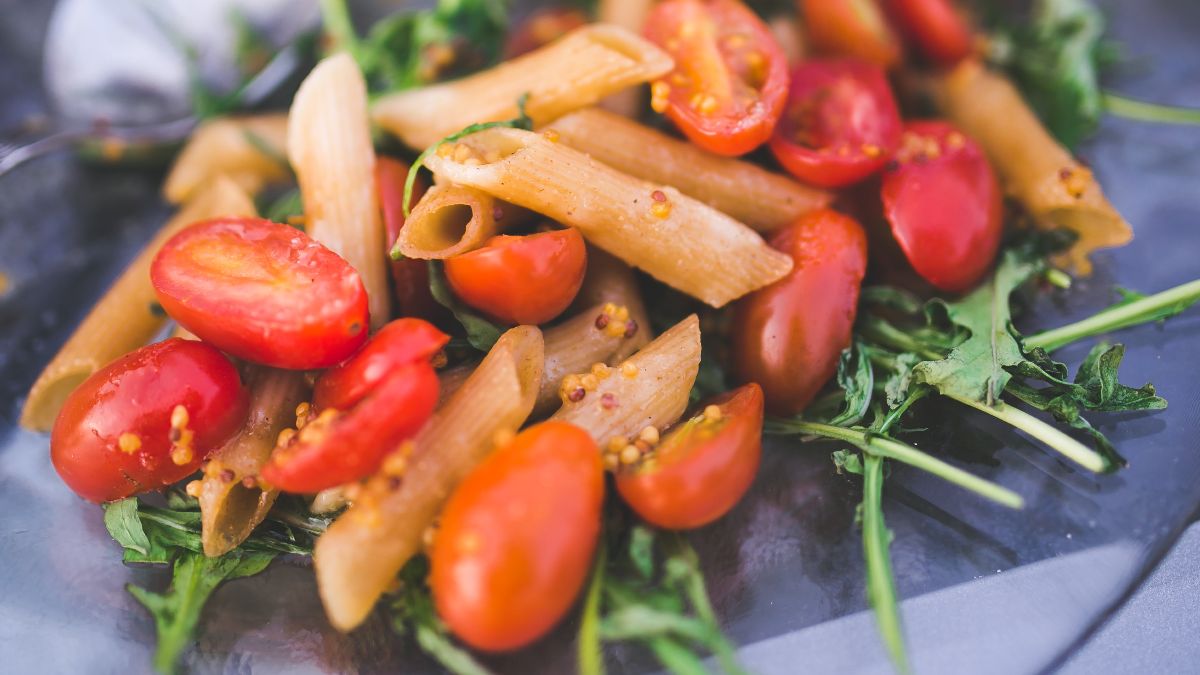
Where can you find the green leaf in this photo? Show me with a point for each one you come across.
(881, 583)
(847, 461)
(481, 333)
(285, 208)
(413, 614)
(123, 524)
(641, 550)
(856, 377)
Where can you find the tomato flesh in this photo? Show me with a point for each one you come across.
(730, 78)
(541, 28)
(113, 437)
(263, 292)
(517, 538)
(789, 335)
(936, 27)
(855, 28)
(944, 205)
(702, 468)
(521, 280)
(399, 343)
(841, 123)
(410, 277)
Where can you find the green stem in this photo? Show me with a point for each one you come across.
(881, 587)
(1149, 112)
(885, 333)
(336, 18)
(591, 661)
(1149, 308)
(1060, 442)
(888, 448)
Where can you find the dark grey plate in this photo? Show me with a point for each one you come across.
(991, 590)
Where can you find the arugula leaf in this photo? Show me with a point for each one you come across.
(285, 208)
(481, 333)
(856, 377)
(413, 614)
(123, 524)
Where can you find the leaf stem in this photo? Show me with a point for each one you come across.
(1149, 112)
(881, 587)
(336, 18)
(1149, 308)
(591, 661)
(1060, 442)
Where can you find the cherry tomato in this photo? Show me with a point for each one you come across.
(263, 292)
(701, 469)
(841, 123)
(851, 28)
(730, 78)
(517, 538)
(410, 278)
(339, 447)
(789, 335)
(541, 28)
(936, 27)
(399, 343)
(147, 420)
(521, 280)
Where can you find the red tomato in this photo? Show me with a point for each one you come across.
(113, 437)
(851, 28)
(701, 468)
(397, 344)
(517, 538)
(789, 335)
(521, 280)
(339, 447)
(944, 204)
(541, 28)
(410, 278)
(730, 77)
(263, 292)
(841, 123)
(937, 28)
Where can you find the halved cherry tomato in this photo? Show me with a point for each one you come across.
(790, 334)
(263, 292)
(521, 280)
(841, 123)
(410, 278)
(944, 204)
(936, 26)
(730, 78)
(517, 537)
(851, 28)
(700, 470)
(120, 432)
(339, 447)
(541, 28)
(399, 343)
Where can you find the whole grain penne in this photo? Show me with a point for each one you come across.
(676, 239)
(1042, 175)
(359, 556)
(630, 15)
(609, 280)
(586, 342)
(329, 144)
(449, 220)
(759, 198)
(575, 71)
(650, 389)
(248, 150)
(232, 501)
(124, 318)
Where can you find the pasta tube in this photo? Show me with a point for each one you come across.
(329, 144)
(759, 198)
(650, 389)
(609, 280)
(1056, 189)
(124, 317)
(232, 502)
(359, 556)
(249, 150)
(584, 342)
(575, 71)
(449, 220)
(630, 15)
(671, 236)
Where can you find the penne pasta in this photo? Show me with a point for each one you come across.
(449, 220)
(124, 318)
(232, 502)
(1057, 190)
(593, 336)
(359, 556)
(759, 198)
(671, 236)
(247, 150)
(630, 15)
(575, 71)
(609, 280)
(329, 144)
(650, 389)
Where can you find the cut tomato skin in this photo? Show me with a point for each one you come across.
(521, 280)
(541, 28)
(944, 205)
(789, 335)
(730, 78)
(112, 438)
(263, 292)
(840, 125)
(702, 468)
(410, 277)
(397, 344)
(939, 31)
(517, 538)
(356, 441)
(855, 28)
